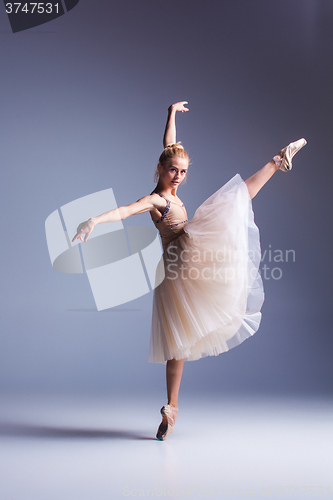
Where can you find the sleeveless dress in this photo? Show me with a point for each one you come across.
(212, 293)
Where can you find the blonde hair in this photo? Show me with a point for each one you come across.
(169, 152)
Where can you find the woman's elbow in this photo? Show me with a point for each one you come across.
(123, 213)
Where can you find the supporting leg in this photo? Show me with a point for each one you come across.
(259, 179)
(174, 371)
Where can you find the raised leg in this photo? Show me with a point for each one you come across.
(283, 162)
(259, 179)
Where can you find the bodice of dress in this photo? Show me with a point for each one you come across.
(172, 222)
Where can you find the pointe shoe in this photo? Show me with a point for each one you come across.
(165, 430)
(285, 160)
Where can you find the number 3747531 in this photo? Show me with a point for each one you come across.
(32, 8)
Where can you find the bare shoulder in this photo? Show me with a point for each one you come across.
(153, 200)
(159, 204)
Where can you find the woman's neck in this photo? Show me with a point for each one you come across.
(168, 191)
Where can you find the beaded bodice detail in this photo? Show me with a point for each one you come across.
(172, 221)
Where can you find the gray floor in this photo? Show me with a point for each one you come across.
(95, 448)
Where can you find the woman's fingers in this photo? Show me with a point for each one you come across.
(183, 107)
(179, 106)
(83, 229)
(79, 235)
(87, 235)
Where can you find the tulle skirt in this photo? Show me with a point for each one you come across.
(212, 293)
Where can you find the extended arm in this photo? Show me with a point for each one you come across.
(144, 204)
(170, 127)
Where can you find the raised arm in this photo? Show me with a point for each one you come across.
(170, 127)
(144, 204)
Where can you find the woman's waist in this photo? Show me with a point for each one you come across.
(171, 235)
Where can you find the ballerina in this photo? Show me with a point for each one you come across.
(212, 293)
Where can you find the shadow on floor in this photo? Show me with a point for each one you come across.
(44, 431)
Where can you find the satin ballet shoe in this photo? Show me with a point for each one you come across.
(165, 430)
(284, 159)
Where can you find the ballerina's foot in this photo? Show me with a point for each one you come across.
(169, 415)
(284, 158)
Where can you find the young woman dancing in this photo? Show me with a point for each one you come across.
(212, 293)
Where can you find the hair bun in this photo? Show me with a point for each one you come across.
(177, 145)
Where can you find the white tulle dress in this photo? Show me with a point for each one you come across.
(212, 293)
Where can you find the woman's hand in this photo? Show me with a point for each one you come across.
(179, 106)
(84, 228)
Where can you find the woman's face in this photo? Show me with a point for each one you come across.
(174, 173)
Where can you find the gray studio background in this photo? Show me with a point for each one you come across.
(83, 106)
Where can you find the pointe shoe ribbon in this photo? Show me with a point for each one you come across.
(291, 150)
(165, 430)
